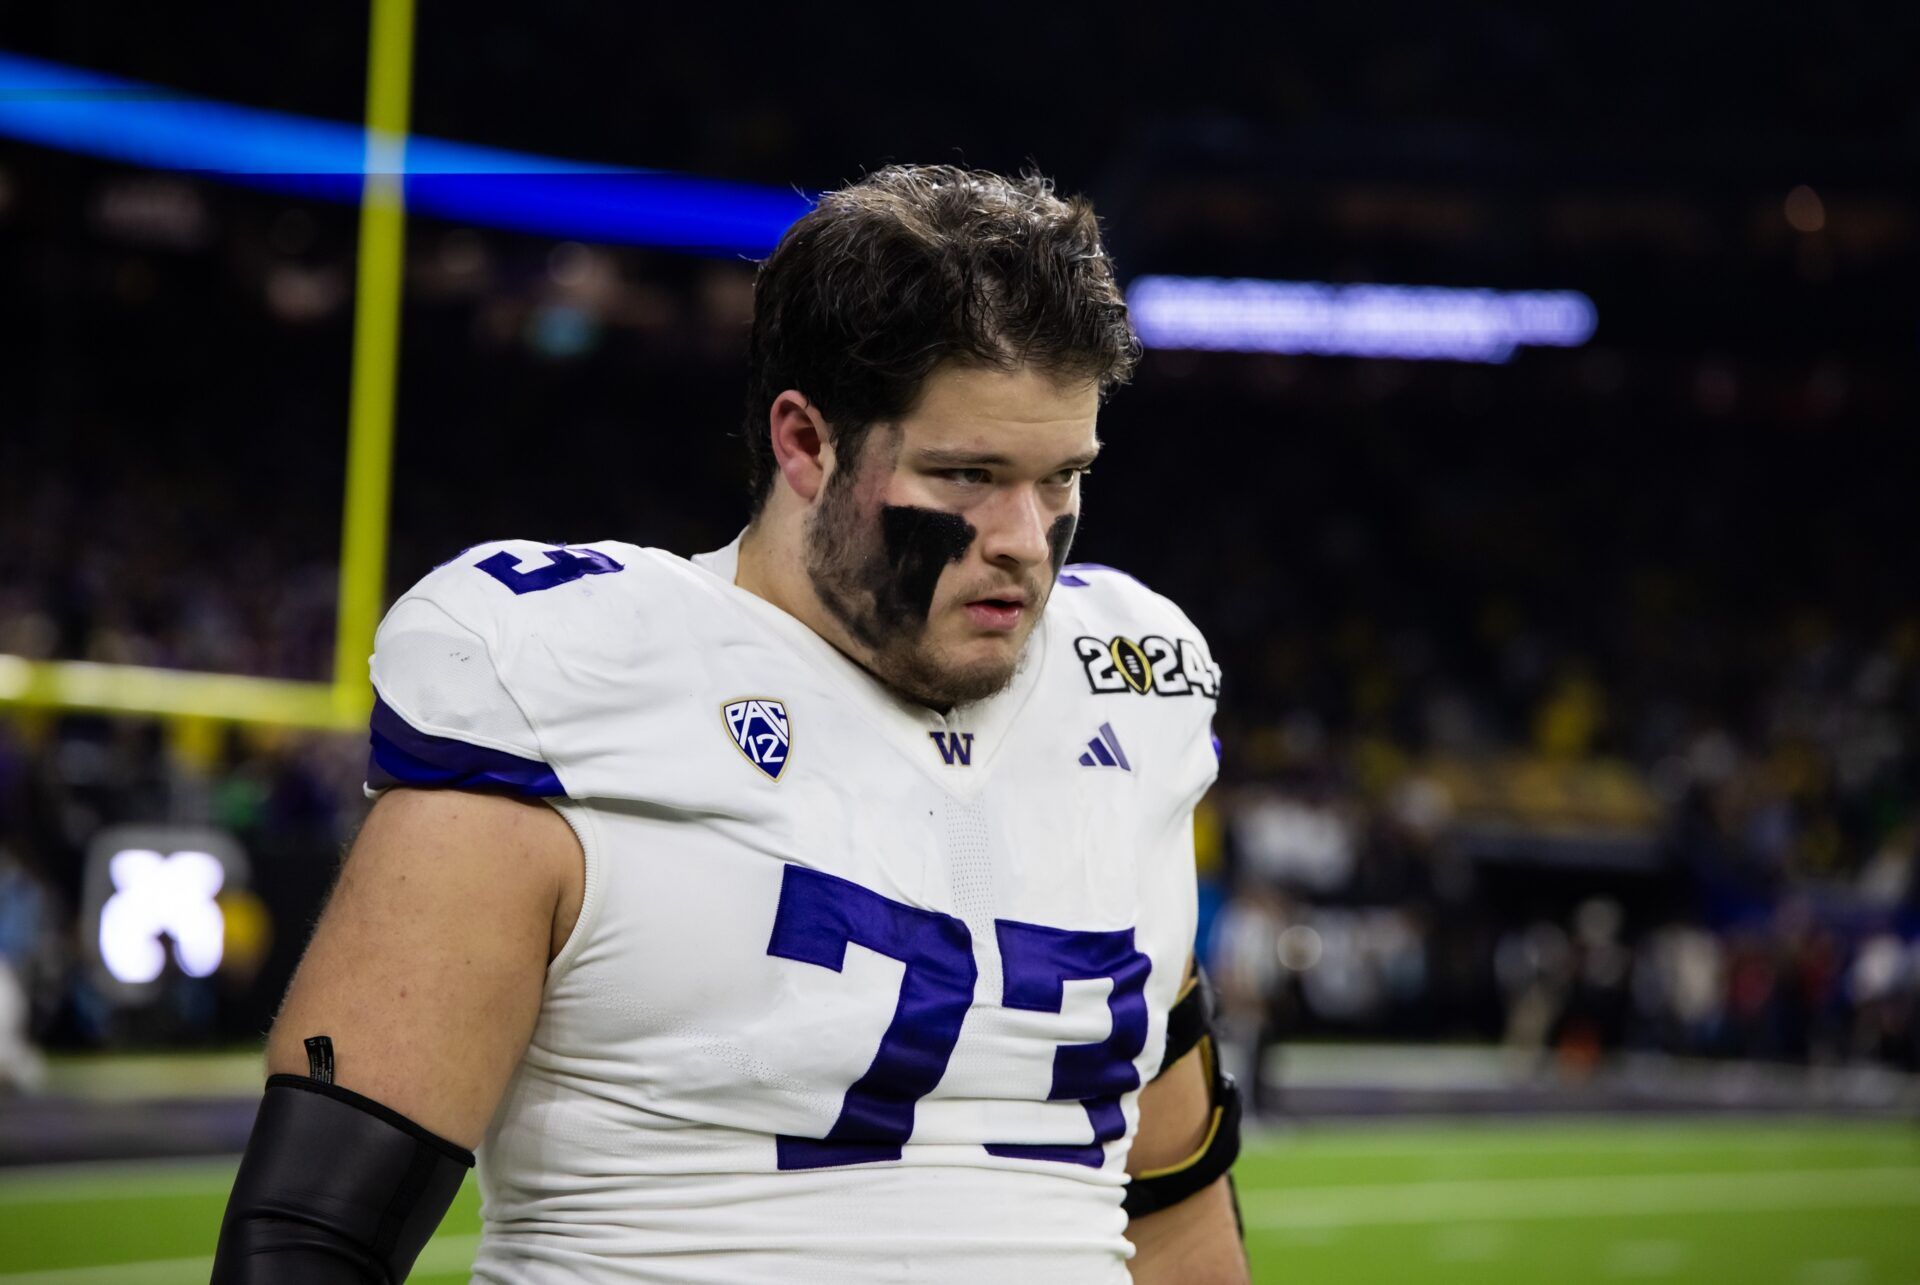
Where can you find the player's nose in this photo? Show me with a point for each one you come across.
(1015, 532)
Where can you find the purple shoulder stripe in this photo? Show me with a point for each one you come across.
(404, 755)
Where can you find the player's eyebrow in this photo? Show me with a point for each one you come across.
(937, 457)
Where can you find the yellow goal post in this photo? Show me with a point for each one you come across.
(343, 701)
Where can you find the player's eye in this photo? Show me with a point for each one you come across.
(1066, 475)
(966, 476)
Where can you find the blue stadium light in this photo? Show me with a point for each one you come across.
(1416, 322)
(84, 111)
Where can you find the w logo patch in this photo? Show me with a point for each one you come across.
(955, 747)
(760, 731)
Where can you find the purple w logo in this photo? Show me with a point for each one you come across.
(955, 747)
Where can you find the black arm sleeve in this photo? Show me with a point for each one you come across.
(334, 1189)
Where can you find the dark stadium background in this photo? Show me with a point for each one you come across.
(1572, 705)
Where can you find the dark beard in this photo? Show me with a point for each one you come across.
(878, 579)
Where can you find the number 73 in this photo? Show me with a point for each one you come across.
(820, 915)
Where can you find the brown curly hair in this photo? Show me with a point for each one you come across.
(916, 265)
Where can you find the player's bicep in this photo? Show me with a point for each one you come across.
(1196, 1238)
(1175, 1111)
(427, 966)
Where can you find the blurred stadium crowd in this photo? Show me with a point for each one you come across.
(1573, 703)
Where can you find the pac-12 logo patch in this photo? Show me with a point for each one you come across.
(760, 731)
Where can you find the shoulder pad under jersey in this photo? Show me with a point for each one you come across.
(467, 664)
(1149, 644)
(1130, 643)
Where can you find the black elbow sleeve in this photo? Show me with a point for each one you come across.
(334, 1189)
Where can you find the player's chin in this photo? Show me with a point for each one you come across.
(973, 669)
(963, 686)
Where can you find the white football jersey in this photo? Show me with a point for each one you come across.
(858, 992)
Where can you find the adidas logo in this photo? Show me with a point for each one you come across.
(1104, 751)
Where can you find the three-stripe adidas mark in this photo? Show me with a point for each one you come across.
(1104, 751)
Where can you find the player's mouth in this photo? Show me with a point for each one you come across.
(999, 613)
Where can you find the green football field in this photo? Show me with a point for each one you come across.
(1801, 1202)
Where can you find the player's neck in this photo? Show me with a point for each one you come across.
(756, 572)
(772, 566)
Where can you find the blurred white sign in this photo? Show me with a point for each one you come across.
(155, 898)
(152, 896)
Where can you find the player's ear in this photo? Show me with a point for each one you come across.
(800, 446)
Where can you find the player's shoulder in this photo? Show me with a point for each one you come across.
(554, 621)
(1097, 595)
(1130, 636)
(564, 595)
(503, 666)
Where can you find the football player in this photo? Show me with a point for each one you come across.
(816, 909)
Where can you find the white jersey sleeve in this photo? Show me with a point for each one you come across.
(446, 712)
(1139, 650)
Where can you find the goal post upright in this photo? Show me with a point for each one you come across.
(376, 355)
(343, 701)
